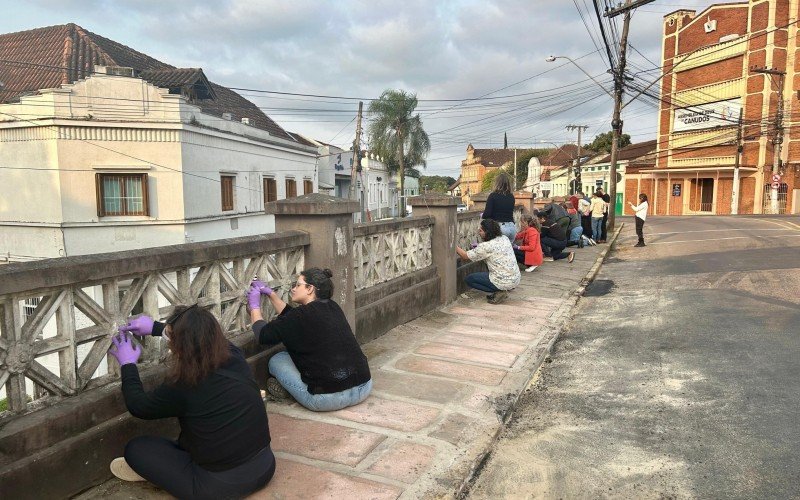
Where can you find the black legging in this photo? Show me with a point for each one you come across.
(168, 466)
(640, 229)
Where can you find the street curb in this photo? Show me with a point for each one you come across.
(553, 328)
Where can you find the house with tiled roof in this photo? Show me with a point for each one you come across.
(631, 159)
(104, 148)
(478, 163)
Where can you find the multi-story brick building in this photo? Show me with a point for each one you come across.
(713, 67)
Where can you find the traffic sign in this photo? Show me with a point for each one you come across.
(776, 185)
(776, 178)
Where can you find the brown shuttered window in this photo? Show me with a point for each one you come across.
(121, 194)
(308, 187)
(270, 190)
(291, 188)
(227, 192)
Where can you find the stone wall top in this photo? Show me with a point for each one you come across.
(312, 204)
(482, 196)
(433, 200)
(367, 228)
(47, 273)
(469, 214)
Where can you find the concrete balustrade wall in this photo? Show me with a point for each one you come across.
(385, 274)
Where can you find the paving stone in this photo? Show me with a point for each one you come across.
(404, 461)
(388, 413)
(448, 369)
(474, 340)
(298, 481)
(458, 429)
(322, 441)
(417, 386)
(479, 329)
(467, 354)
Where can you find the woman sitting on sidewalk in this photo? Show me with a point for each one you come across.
(529, 251)
(496, 249)
(323, 367)
(224, 446)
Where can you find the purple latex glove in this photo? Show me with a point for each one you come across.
(265, 289)
(142, 325)
(516, 247)
(124, 349)
(254, 297)
(473, 245)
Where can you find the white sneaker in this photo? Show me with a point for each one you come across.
(121, 469)
(530, 269)
(548, 259)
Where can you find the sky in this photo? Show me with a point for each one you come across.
(477, 67)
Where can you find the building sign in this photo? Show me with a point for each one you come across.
(598, 183)
(546, 185)
(676, 190)
(713, 114)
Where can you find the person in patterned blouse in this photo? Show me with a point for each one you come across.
(498, 253)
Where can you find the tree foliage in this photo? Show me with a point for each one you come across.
(602, 143)
(396, 133)
(435, 183)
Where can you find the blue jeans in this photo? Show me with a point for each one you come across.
(597, 227)
(575, 234)
(282, 368)
(509, 230)
(480, 281)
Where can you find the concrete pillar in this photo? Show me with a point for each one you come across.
(329, 222)
(479, 201)
(525, 200)
(443, 245)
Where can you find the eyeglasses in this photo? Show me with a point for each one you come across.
(173, 320)
(298, 283)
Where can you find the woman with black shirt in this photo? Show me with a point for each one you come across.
(223, 450)
(323, 367)
(500, 206)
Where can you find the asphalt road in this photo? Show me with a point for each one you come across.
(678, 376)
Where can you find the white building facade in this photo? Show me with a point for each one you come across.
(113, 163)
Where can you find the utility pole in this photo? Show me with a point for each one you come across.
(735, 190)
(356, 165)
(579, 128)
(619, 88)
(777, 141)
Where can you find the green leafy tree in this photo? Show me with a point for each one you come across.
(396, 133)
(602, 143)
(435, 183)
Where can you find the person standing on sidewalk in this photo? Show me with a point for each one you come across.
(641, 214)
(498, 253)
(500, 206)
(606, 198)
(323, 367)
(584, 208)
(598, 212)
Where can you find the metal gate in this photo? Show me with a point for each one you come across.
(783, 191)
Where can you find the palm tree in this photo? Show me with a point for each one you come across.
(396, 134)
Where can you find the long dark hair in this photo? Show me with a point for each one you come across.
(491, 228)
(321, 280)
(642, 197)
(197, 343)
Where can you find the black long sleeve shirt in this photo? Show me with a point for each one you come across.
(499, 207)
(321, 344)
(223, 420)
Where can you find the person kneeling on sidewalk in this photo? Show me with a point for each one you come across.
(554, 239)
(496, 249)
(323, 367)
(529, 250)
(223, 450)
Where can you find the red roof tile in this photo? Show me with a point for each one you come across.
(48, 57)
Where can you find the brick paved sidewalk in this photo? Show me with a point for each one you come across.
(443, 384)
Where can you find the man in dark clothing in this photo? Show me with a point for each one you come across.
(553, 238)
(607, 199)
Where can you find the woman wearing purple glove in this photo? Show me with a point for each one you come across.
(223, 450)
(323, 367)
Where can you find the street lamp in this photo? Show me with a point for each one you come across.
(553, 59)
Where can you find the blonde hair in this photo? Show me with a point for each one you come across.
(532, 221)
(502, 183)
